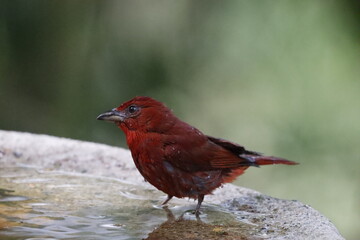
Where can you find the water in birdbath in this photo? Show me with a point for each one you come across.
(37, 204)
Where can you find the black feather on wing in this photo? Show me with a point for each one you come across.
(232, 147)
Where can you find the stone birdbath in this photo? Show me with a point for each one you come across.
(57, 188)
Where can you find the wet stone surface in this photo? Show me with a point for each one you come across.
(53, 188)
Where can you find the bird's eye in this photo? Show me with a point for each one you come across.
(132, 109)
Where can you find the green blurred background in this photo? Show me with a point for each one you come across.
(280, 77)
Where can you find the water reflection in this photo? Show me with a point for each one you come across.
(191, 226)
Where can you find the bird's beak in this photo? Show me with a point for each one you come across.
(112, 116)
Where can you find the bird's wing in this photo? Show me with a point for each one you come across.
(187, 152)
(205, 153)
(232, 155)
(198, 152)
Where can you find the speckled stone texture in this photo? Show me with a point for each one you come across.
(273, 218)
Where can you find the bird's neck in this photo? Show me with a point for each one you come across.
(134, 138)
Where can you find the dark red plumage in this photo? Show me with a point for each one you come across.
(177, 158)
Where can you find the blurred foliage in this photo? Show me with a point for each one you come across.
(281, 77)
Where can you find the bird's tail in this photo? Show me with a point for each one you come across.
(266, 160)
(254, 161)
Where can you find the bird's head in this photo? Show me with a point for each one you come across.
(140, 114)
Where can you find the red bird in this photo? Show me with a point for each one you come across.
(177, 158)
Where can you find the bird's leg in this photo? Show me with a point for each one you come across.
(200, 200)
(168, 199)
